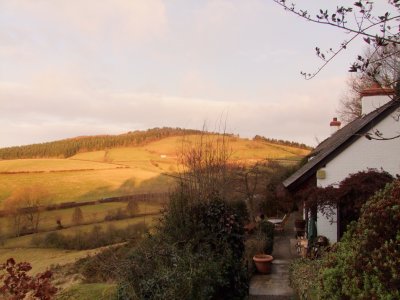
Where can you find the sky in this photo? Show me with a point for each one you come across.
(72, 68)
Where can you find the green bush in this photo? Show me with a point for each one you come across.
(366, 264)
(267, 230)
(304, 277)
(197, 256)
(103, 266)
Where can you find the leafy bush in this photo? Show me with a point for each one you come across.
(351, 194)
(366, 264)
(202, 258)
(103, 266)
(17, 284)
(267, 231)
(304, 277)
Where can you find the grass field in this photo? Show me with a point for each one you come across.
(25, 241)
(91, 214)
(88, 291)
(121, 171)
(41, 259)
(51, 165)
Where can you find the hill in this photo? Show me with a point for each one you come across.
(69, 147)
(119, 170)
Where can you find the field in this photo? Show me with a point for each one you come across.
(120, 171)
(21, 249)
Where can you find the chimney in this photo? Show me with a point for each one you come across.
(374, 97)
(335, 125)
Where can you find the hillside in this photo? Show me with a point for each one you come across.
(69, 147)
(122, 170)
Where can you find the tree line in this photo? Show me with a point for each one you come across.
(282, 142)
(69, 147)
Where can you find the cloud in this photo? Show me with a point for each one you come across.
(62, 107)
(94, 67)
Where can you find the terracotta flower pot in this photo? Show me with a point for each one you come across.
(263, 263)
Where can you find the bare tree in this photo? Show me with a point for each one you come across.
(359, 20)
(386, 74)
(77, 216)
(249, 182)
(204, 168)
(25, 206)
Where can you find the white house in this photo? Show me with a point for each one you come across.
(354, 148)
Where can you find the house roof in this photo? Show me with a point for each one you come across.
(337, 142)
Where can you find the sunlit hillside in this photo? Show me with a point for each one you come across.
(124, 170)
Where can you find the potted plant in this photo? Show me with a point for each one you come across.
(263, 258)
(263, 263)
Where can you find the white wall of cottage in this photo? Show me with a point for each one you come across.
(362, 155)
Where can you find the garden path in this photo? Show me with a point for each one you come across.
(276, 285)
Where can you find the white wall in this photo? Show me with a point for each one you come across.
(360, 156)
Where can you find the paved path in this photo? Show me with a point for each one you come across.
(276, 285)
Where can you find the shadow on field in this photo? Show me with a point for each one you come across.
(160, 184)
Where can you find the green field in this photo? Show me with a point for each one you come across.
(25, 241)
(91, 214)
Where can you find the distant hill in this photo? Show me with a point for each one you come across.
(69, 147)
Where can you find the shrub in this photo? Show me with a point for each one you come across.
(366, 264)
(267, 231)
(200, 259)
(304, 277)
(17, 284)
(104, 266)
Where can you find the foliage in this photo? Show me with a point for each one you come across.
(303, 275)
(17, 284)
(97, 237)
(197, 257)
(264, 236)
(104, 266)
(275, 202)
(282, 142)
(348, 196)
(366, 264)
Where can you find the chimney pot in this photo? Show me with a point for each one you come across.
(374, 97)
(335, 122)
